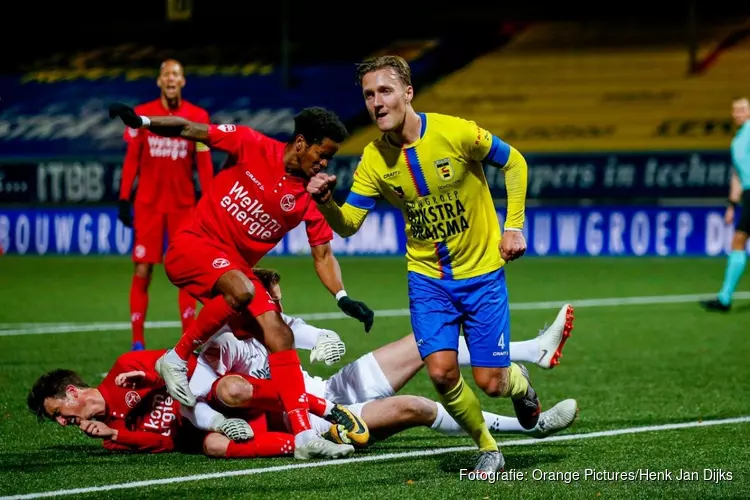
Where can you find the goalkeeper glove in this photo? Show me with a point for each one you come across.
(357, 310)
(328, 348)
(235, 429)
(126, 114)
(123, 213)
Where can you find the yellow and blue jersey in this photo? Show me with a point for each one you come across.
(438, 182)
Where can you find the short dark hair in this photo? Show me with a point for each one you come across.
(396, 63)
(316, 124)
(51, 385)
(268, 277)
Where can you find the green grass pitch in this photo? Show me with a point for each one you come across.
(627, 365)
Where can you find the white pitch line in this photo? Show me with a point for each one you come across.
(371, 458)
(51, 328)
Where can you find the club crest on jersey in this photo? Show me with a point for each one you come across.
(288, 202)
(132, 399)
(444, 169)
(227, 128)
(220, 263)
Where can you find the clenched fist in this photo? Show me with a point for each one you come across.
(512, 246)
(321, 187)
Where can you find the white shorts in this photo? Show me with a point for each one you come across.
(358, 382)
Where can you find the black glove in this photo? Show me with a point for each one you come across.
(357, 310)
(124, 213)
(126, 114)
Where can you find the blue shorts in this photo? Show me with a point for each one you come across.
(439, 308)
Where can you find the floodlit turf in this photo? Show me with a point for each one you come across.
(628, 366)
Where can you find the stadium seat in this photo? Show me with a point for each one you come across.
(556, 89)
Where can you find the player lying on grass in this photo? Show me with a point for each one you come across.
(246, 213)
(370, 383)
(131, 410)
(226, 381)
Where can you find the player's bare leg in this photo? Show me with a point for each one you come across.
(286, 370)
(234, 291)
(544, 350)
(512, 382)
(139, 303)
(389, 416)
(400, 360)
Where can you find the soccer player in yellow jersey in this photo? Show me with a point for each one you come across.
(430, 166)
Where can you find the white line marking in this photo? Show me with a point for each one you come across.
(49, 328)
(372, 458)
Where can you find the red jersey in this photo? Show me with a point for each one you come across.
(255, 202)
(146, 417)
(164, 165)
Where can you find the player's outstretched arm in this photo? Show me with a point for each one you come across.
(516, 179)
(481, 146)
(137, 441)
(166, 126)
(328, 270)
(346, 219)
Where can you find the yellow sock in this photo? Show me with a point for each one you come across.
(518, 383)
(462, 404)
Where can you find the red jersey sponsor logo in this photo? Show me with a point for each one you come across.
(249, 212)
(167, 147)
(162, 415)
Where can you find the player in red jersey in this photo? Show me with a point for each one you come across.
(132, 411)
(143, 418)
(250, 207)
(165, 196)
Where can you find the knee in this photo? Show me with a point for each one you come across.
(234, 391)
(215, 445)
(739, 241)
(143, 270)
(444, 376)
(237, 289)
(421, 409)
(494, 383)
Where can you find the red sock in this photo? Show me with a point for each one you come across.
(266, 397)
(213, 315)
(138, 307)
(268, 444)
(287, 372)
(187, 309)
(318, 406)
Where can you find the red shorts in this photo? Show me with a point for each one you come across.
(151, 227)
(194, 263)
